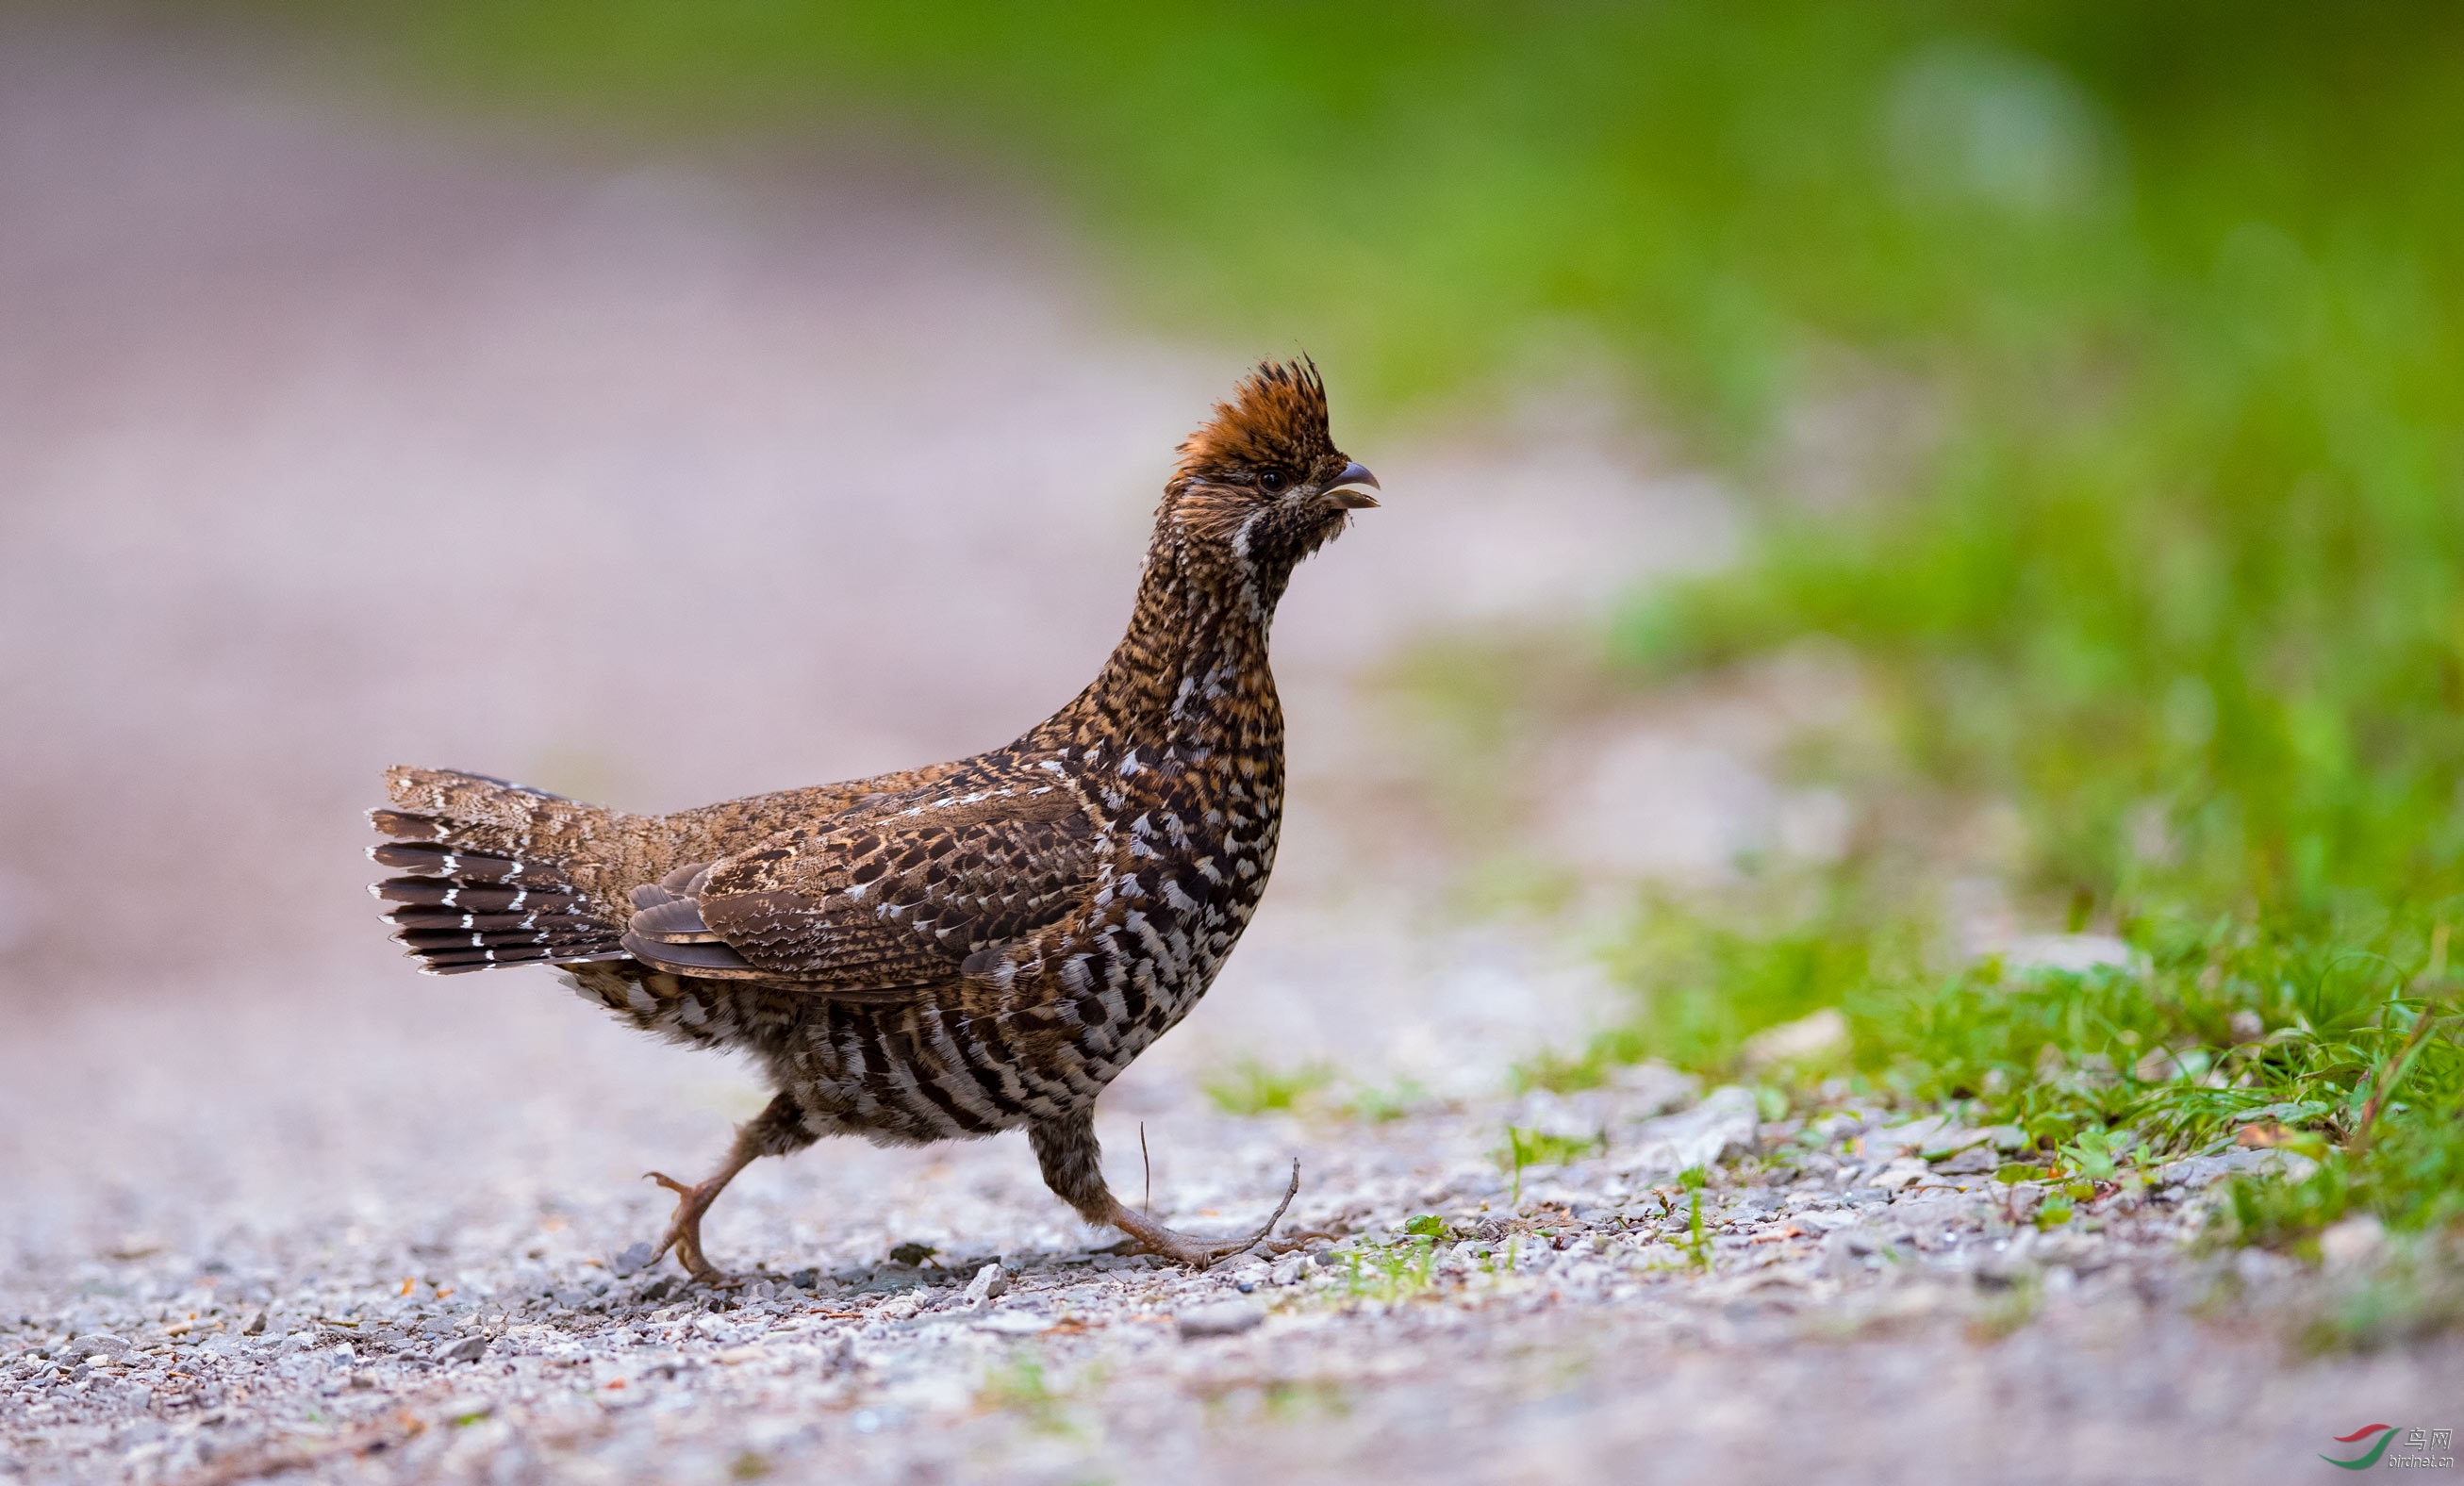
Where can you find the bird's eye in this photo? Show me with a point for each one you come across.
(1271, 481)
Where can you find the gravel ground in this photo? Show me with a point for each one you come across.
(274, 1204)
(355, 1236)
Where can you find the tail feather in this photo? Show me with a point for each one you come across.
(406, 826)
(479, 897)
(541, 919)
(492, 873)
(456, 962)
(426, 941)
(420, 859)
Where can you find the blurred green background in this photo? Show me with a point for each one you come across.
(2173, 290)
(2150, 313)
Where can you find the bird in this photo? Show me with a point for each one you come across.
(957, 949)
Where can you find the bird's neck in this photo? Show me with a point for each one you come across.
(1192, 669)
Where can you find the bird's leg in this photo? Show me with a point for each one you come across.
(775, 1131)
(1073, 1167)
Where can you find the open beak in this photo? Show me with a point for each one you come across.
(1350, 499)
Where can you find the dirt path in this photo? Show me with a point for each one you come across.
(329, 441)
(386, 1237)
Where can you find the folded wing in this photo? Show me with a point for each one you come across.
(880, 902)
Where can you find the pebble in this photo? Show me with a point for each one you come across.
(2352, 1242)
(1223, 1318)
(2205, 1170)
(1901, 1172)
(468, 1349)
(632, 1261)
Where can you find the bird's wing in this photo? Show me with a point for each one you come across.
(881, 902)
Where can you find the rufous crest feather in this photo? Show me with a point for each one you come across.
(1276, 417)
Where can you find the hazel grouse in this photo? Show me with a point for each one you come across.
(963, 947)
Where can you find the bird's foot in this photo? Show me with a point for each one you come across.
(684, 1230)
(1146, 1236)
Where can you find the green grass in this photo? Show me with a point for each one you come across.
(1698, 1243)
(2343, 1044)
(1538, 1147)
(2415, 1294)
(1389, 1272)
(2146, 323)
(1766, 975)
(1378, 1103)
(1018, 1384)
(1250, 1088)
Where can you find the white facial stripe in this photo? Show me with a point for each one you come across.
(1241, 537)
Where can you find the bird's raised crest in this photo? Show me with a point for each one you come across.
(1276, 416)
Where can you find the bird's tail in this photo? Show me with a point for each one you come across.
(491, 873)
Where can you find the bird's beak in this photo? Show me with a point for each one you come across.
(1352, 500)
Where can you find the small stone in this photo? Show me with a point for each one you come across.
(1720, 1125)
(1901, 1172)
(255, 1326)
(2205, 1170)
(1223, 1318)
(1806, 1039)
(2074, 955)
(468, 1349)
(2157, 1065)
(991, 1282)
(2004, 1269)
(1975, 1161)
(2354, 1241)
(632, 1261)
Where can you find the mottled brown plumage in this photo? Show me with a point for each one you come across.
(957, 949)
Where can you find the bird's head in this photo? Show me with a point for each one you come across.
(1263, 481)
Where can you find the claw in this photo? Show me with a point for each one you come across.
(684, 1230)
(1291, 1189)
(1149, 1236)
